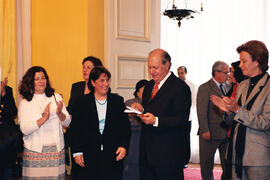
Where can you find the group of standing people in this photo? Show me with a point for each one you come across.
(99, 132)
(237, 124)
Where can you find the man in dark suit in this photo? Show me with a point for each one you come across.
(8, 139)
(212, 135)
(166, 102)
(8, 109)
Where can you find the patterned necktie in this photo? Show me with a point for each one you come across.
(221, 89)
(155, 90)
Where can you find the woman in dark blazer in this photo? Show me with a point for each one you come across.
(100, 130)
(81, 88)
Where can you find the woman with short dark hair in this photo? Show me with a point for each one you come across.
(41, 116)
(79, 89)
(100, 130)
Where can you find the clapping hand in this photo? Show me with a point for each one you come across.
(226, 104)
(219, 102)
(59, 108)
(46, 113)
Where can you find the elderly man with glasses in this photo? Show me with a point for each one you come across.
(211, 135)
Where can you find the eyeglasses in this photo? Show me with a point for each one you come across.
(226, 73)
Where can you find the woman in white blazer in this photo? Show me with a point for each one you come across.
(41, 116)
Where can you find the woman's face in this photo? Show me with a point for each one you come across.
(40, 82)
(249, 68)
(231, 78)
(87, 67)
(101, 85)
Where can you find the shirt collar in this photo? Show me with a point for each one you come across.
(217, 83)
(164, 79)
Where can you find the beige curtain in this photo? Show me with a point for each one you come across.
(24, 47)
(8, 55)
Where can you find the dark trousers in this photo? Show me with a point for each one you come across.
(187, 143)
(207, 155)
(74, 167)
(5, 173)
(161, 173)
(85, 174)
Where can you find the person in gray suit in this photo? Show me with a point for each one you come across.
(249, 149)
(211, 135)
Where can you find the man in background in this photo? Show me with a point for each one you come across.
(211, 135)
(182, 73)
(9, 142)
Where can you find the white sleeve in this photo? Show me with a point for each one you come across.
(27, 118)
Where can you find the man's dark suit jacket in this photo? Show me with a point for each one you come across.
(86, 137)
(8, 149)
(8, 107)
(209, 116)
(77, 90)
(163, 145)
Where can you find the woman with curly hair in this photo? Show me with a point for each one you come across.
(41, 116)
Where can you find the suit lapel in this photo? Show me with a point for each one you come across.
(93, 106)
(215, 88)
(256, 89)
(108, 113)
(244, 93)
(81, 87)
(163, 88)
(148, 91)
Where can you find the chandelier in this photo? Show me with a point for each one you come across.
(179, 14)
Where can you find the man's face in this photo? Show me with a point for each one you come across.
(156, 69)
(222, 76)
(181, 73)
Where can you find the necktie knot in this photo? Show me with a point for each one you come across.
(155, 89)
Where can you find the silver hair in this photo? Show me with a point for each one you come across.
(218, 67)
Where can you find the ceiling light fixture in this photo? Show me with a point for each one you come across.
(179, 14)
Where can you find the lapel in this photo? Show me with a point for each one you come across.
(108, 113)
(81, 87)
(163, 88)
(93, 106)
(254, 91)
(148, 91)
(215, 88)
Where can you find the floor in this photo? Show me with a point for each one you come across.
(191, 165)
